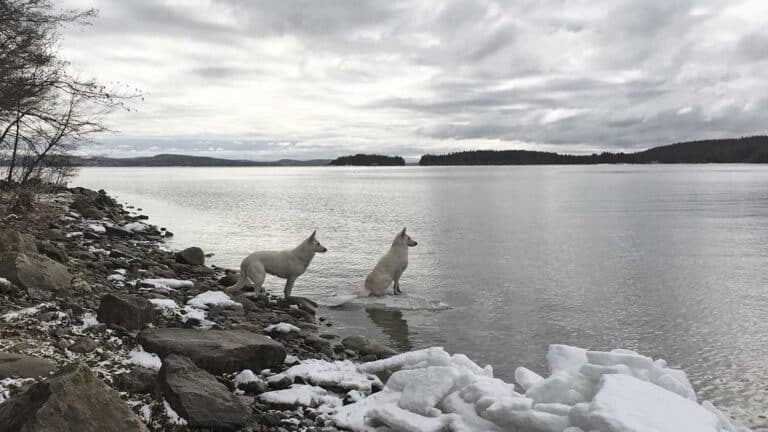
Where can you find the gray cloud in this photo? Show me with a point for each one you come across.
(399, 76)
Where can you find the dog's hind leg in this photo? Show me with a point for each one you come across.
(256, 273)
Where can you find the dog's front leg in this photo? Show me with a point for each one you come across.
(289, 286)
(396, 287)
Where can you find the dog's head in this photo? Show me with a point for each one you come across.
(405, 238)
(316, 246)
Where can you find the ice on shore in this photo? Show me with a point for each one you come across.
(136, 227)
(615, 391)
(281, 327)
(211, 298)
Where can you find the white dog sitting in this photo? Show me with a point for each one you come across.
(390, 267)
(287, 264)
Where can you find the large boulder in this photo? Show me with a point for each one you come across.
(217, 351)
(192, 256)
(23, 366)
(129, 311)
(72, 399)
(38, 274)
(87, 208)
(199, 397)
(14, 241)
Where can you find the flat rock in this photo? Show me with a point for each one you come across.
(217, 351)
(192, 256)
(138, 380)
(199, 397)
(13, 241)
(72, 399)
(23, 366)
(128, 311)
(37, 274)
(364, 346)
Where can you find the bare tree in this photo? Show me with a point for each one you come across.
(45, 112)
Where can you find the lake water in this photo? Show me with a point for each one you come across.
(667, 260)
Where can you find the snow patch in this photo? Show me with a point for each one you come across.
(168, 283)
(212, 298)
(139, 357)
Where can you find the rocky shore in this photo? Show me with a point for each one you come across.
(104, 328)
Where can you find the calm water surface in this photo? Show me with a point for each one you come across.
(668, 260)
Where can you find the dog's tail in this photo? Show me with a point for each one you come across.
(242, 280)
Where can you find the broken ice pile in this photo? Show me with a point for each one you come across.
(616, 391)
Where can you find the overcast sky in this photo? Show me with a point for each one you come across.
(315, 78)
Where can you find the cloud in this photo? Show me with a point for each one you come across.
(338, 77)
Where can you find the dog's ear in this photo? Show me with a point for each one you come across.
(402, 233)
(313, 235)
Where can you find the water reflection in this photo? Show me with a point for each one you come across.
(393, 325)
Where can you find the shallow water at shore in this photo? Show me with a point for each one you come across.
(667, 260)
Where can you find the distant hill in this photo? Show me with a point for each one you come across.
(734, 150)
(368, 160)
(168, 160)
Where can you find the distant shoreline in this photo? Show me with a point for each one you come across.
(752, 150)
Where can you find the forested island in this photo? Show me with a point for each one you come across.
(170, 160)
(752, 149)
(368, 160)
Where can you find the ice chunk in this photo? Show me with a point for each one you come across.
(435, 356)
(564, 358)
(164, 303)
(626, 404)
(338, 374)
(136, 227)
(527, 378)
(301, 394)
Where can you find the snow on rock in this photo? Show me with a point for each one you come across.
(97, 228)
(168, 283)
(116, 277)
(139, 357)
(282, 327)
(165, 304)
(4, 282)
(614, 391)
(172, 416)
(302, 394)
(212, 298)
(10, 316)
(244, 377)
(337, 374)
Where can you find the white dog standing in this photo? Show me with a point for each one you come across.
(287, 264)
(390, 267)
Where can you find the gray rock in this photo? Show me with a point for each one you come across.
(217, 351)
(192, 256)
(303, 303)
(54, 252)
(23, 366)
(37, 274)
(83, 345)
(86, 208)
(70, 400)
(199, 397)
(13, 241)
(128, 311)
(138, 380)
(364, 346)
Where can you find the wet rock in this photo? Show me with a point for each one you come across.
(37, 274)
(13, 241)
(303, 303)
(115, 231)
(128, 311)
(192, 256)
(217, 351)
(364, 346)
(23, 366)
(199, 397)
(138, 380)
(72, 399)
